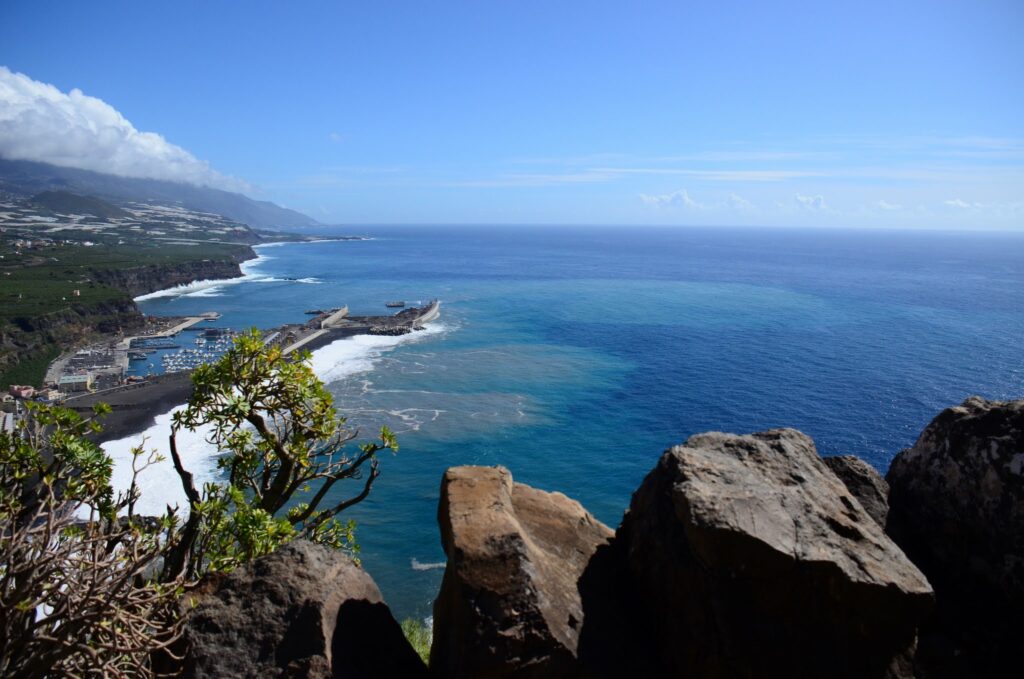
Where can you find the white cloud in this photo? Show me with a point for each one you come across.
(889, 206)
(956, 202)
(739, 202)
(336, 137)
(39, 122)
(674, 199)
(997, 209)
(811, 202)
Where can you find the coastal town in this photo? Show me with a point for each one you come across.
(139, 375)
(71, 266)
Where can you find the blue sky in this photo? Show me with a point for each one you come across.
(867, 114)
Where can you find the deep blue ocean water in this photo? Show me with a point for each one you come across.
(575, 356)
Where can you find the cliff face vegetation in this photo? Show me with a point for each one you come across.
(149, 278)
(38, 339)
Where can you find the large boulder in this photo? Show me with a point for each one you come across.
(957, 508)
(303, 611)
(864, 483)
(754, 560)
(509, 604)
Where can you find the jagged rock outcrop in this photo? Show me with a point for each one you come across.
(864, 483)
(957, 509)
(509, 604)
(740, 556)
(303, 611)
(752, 559)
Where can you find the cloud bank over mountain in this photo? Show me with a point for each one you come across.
(39, 122)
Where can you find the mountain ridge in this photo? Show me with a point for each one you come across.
(26, 178)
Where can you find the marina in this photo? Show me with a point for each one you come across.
(146, 374)
(205, 351)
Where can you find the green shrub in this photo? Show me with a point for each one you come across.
(420, 635)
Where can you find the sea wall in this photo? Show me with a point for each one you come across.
(739, 556)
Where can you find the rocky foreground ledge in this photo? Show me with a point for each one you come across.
(739, 556)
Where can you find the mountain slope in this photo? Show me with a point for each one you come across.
(71, 203)
(22, 178)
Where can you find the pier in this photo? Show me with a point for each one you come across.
(333, 319)
(304, 341)
(126, 343)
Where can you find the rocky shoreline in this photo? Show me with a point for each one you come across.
(148, 279)
(739, 556)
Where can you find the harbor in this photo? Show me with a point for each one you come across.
(146, 375)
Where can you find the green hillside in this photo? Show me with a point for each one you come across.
(65, 202)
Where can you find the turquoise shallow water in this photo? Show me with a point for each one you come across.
(575, 356)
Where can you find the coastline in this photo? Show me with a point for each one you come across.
(312, 239)
(206, 283)
(333, 361)
(135, 407)
(131, 415)
(143, 411)
(243, 265)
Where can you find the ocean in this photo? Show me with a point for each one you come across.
(574, 356)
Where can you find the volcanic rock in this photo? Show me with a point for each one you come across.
(754, 560)
(957, 509)
(509, 604)
(303, 611)
(864, 483)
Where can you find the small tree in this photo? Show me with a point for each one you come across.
(76, 597)
(82, 589)
(282, 441)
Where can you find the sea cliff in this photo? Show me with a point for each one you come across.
(149, 278)
(24, 338)
(35, 339)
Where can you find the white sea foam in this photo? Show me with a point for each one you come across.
(159, 484)
(419, 566)
(211, 287)
(358, 354)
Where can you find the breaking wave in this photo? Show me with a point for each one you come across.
(211, 287)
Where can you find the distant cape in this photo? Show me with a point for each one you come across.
(25, 178)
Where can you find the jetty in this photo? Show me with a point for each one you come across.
(336, 324)
(187, 323)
